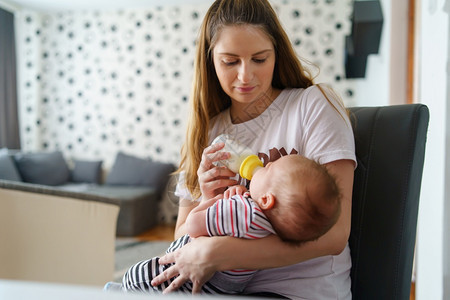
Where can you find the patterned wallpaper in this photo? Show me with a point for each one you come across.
(96, 82)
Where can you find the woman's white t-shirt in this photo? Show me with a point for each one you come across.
(298, 121)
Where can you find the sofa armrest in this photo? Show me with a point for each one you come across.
(56, 239)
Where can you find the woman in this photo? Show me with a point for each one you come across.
(249, 83)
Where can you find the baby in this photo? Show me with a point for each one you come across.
(293, 197)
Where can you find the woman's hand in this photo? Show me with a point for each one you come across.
(192, 263)
(213, 180)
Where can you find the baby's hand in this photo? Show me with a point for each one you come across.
(234, 190)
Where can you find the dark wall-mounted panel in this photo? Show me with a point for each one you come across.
(367, 25)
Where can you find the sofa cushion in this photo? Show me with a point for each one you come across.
(8, 169)
(131, 170)
(86, 171)
(48, 168)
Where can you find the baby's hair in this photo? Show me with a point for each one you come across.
(308, 202)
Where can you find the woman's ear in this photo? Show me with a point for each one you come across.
(267, 201)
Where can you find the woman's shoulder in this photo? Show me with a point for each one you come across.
(317, 95)
(313, 92)
(311, 95)
(318, 99)
(301, 91)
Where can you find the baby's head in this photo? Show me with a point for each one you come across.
(299, 196)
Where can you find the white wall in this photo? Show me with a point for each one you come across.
(398, 52)
(433, 81)
(373, 90)
(385, 81)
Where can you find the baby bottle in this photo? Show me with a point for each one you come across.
(242, 160)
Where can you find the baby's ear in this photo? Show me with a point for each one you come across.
(267, 201)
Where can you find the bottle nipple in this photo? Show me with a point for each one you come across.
(249, 165)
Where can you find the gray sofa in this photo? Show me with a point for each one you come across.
(134, 184)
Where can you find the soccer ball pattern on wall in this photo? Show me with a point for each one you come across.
(95, 82)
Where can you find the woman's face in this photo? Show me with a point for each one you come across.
(244, 59)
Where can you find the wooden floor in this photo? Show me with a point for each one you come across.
(165, 233)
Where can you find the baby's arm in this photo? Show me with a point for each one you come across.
(196, 220)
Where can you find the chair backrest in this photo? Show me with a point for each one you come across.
(390, 147)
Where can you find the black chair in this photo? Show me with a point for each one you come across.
(390, 147)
